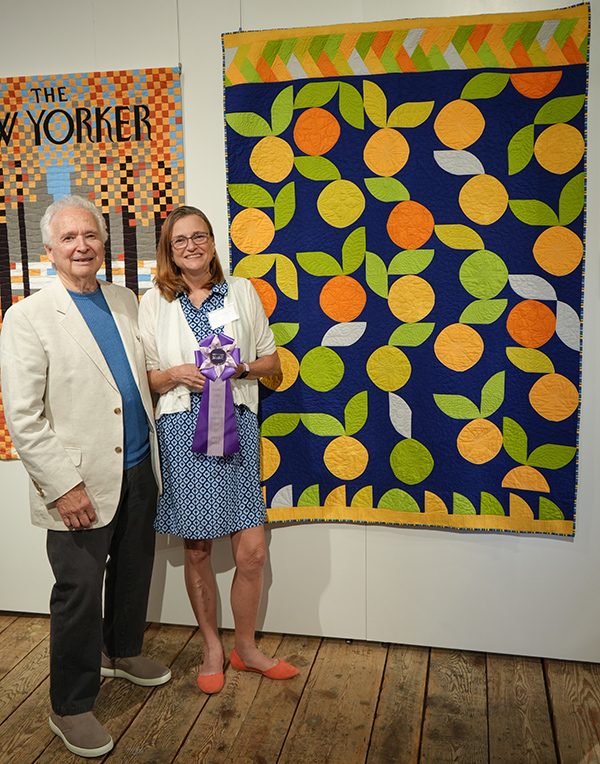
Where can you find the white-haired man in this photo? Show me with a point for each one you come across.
(79, 411)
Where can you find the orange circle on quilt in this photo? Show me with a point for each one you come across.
(252, 231)
(554, 397)
(342, 298)
(268, 296)
(458, 347)
(386, 152)
(558, 250)
(410, 224)
(290, 369)
(389, 368)
(341, 203)
(316, 131)
(535, 84)
(346, 457)
(411, 298)
(270, 458)
(559, 148)
(531, 323)
(459, 124)
(479, 441)
(272, 159)
(483, 199)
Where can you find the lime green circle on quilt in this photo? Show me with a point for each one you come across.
(389, 368)
(341, 203)
(411, 461)
(322, 369)
(483, 274)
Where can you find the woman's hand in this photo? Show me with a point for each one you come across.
(163, 380)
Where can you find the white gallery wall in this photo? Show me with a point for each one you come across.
(491, 592)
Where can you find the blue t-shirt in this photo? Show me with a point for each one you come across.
(97, 315)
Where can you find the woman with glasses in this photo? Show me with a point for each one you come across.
(206, 497)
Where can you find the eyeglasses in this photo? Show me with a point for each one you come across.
(180, 242)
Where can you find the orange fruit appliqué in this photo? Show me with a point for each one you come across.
(268, 296)
(316, 131)
(458, 347)
(554, 397)
(342, 298)
(479, 441)
(483, 199)
(559, 148)
(270, 458)
(346, 457)
(386, 152)
(558, 250)
(531, 323)
(410, 224)
(272, 159)
(252, 231)
(535, 84)
(411, 298)
(459, 124)
(525, 478)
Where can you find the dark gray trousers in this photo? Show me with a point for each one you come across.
(124, 551)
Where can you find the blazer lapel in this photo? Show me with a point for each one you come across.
(73, 322)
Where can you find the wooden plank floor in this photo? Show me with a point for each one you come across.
(353, 702)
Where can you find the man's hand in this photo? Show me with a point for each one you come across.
(76, 509)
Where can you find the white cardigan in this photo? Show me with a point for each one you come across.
(169, 341)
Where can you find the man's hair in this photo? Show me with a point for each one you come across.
(64, 203)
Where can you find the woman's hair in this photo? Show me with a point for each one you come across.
(64, 203)
(169, 278)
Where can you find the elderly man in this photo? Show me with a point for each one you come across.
(79, 412)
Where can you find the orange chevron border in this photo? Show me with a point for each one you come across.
(511, 40)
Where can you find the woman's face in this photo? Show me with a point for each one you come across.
(192, 246)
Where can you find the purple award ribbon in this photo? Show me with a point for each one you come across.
(216, 429)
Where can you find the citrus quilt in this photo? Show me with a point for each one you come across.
(408, 198)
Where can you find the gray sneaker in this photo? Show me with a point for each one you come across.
(82, 734)
(139, 670)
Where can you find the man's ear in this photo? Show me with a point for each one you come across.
(48, 249)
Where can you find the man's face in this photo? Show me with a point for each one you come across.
(76, 249)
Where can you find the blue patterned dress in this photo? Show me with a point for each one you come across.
(205, 497)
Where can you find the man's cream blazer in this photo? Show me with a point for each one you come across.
(62, 406)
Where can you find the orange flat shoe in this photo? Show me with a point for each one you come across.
(211, 683)
(281, 670)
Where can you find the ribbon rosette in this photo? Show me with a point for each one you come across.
(216, 429)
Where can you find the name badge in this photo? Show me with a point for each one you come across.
(221, 316)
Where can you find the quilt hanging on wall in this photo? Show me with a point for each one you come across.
(408, 199)
(115, 138)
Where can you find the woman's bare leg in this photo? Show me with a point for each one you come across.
(249, 553)
(202, 591)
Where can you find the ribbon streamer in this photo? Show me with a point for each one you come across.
(216, 429)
